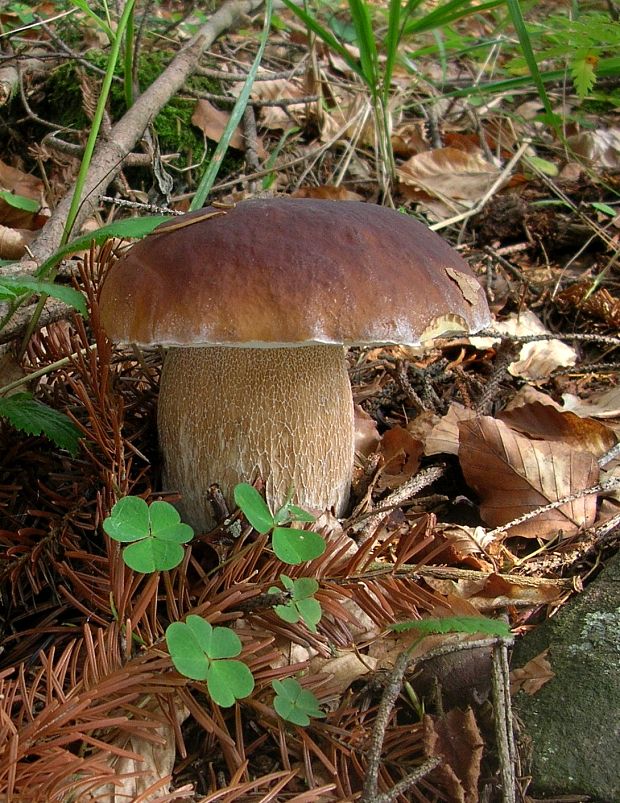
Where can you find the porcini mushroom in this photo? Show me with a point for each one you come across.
(256, 305)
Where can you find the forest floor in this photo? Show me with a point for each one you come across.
(487, 472)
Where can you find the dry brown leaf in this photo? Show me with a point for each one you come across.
(13, 242)
(538, 359)
(409, 139)
(544, 422)
(444, 437)
(20, 183)
(276, 117)
(367, 436)
(514, 475)
(401, 454)
(492, 592)
(601, 147)
(456, 738)
(599, 405)
(533, 676)
(350, 119)
(529, 394)
(329, 192)
(448, 173)
(212, 122)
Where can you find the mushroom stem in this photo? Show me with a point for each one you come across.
(228, 415)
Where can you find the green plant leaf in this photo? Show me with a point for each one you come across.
(294, 703)
(186, 652)
(310, 612)
(152, 555)
(200, 651)
(229, 681)
(291, 512)
(128, 520)
(155, 534)
(20, 285)
(166, 523)
(130, 228)
(583, 73)
(32, 416)
(254, 507)
(456, 624)
(296, 546)
(20, 201)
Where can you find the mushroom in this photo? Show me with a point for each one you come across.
(256, 305)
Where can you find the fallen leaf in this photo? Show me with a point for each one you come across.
(456, 738)
(599, 405)
(444, 437)
(492, 592)
(514, 475)
(448, 173)
(533, 676)
(367, 436)
(23, 184)
(538, 359)
(401, 454)
(544, 422)
(13, 242)
(212, 122)
(601, 146)
(329, 192)
(468, 285)
(276, 117)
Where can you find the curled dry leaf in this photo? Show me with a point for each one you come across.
(367, 436)
(538, 359)
(493, 592)
(541, 421)
(456, 738)
(533, 676)
(275, 117)
(447, 173)
(401, 454)
(444, 437)
(601, 146)
(514, 475)
(13, 242)
(599, 405)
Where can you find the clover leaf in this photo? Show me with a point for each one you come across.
(302, 605)
(202, 652)
(155, 534)
(294, 703)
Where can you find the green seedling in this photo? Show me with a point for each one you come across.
(294, 703)
(302, 605)
(290, 545)
(202, 652)
(19, 202)
(32, 416)
(155, 534)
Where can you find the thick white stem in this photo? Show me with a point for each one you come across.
(228, 415)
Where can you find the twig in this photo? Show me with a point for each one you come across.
(408, 489)
(610, 485)
(503, 721)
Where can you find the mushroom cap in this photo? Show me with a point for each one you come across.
(285, 272)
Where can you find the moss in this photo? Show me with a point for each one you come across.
(172, 125)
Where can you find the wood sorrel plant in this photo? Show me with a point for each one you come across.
(155, 538)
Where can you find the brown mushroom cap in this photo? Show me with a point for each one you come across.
(291, 271)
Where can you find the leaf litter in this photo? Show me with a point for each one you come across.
(85, 633)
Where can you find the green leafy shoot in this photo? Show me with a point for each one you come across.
(32, 416)
(12, 288)
(20, 201)
(202, 652)
(290, 545)
(155, 534)
(455, 624)
(302, 605)
(294, 703)
(583, 73)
